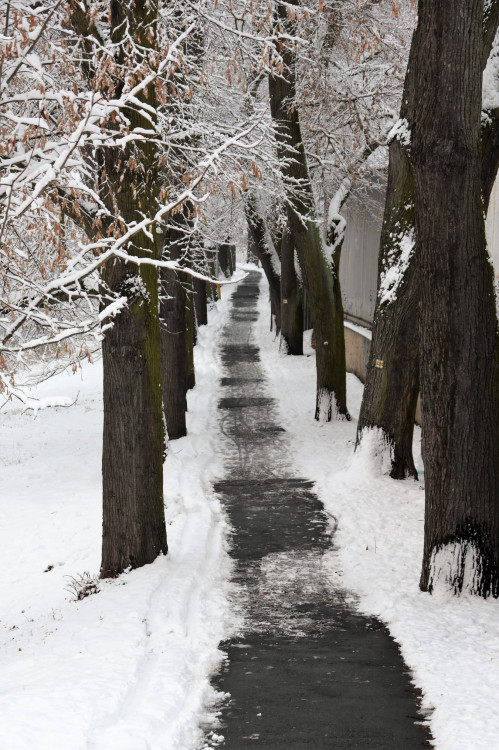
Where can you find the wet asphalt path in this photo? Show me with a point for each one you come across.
(306, 671)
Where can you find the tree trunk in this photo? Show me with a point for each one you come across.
(291, 298)
(190, 333)
(252, 255)
(134, 531)
(211, 262)
(321, 283)
(225, 259)
(178, 329)
(391, 392)
(458, 332)
(173, 350)
(266, 255)
(392, 383)
(200, 301)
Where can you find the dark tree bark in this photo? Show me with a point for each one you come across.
(211, 269)
(392, 384)
(200, 304)
(190, 333)
(173, 353)
(225, 259)
(173, 327)
(391, 392)
(459, 365)
(268, 258)
(291, 298)
(320, 279)
(134, 531)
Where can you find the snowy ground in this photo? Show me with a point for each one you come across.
(451, 644)
(128, 669)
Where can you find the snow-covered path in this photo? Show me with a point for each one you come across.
(304, 668)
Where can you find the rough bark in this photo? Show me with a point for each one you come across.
(320, 280)
(211, 270)
(190, 333)
(225, 259)
(392, 383)
(200, 301)
(173, 353)
(459, 366)
(267, 257)
(134, 531)
(291, 298)
(391, 392)
(173, 326)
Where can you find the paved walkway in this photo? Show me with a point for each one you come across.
(306, 671)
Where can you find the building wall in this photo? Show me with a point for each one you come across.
(359, 257)
(492, 228)
(359, 273)
(359, 261)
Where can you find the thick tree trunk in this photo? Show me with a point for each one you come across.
(225, 259)
(266, 255)
(291, 298)
(390, 396)
(212, 270)
(459, 335)
(190, 333)
(200, 301)
(134, 531)
(392, 384)
(173, 352)
(178, 329)
(321, 283)
(133, 528)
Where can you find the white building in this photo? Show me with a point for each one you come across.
(359, 257)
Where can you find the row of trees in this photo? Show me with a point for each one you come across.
(135, 137)
(435, 323)
(106, 164)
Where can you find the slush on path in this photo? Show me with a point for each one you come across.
(305, 670)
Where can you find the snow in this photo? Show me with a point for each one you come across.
(128, 668)
(401, 131)
(448, 560)
(366, 332)
(398, 263)
(450, 643)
